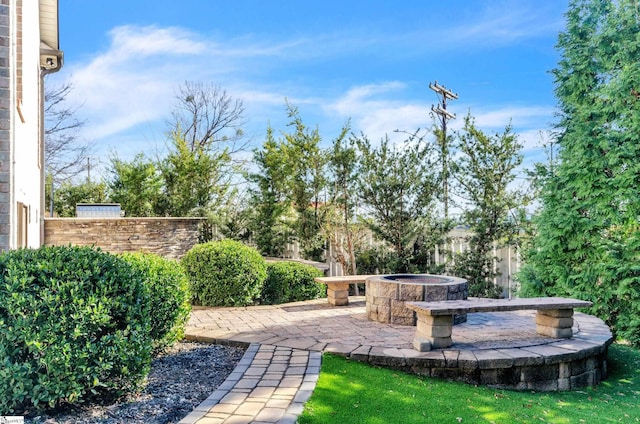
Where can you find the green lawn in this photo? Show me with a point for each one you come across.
(352, 392)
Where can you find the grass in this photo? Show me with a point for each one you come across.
(352, 392)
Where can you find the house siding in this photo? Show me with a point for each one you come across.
(5, 126)
(27, 169)
(21, 148)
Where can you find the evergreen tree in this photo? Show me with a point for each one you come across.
(68, 195)
(483, 171)
(340, 226)
(136, 185)
(307, 167)
(588, 241)
(195, 181)
(397, 185)
(270, 197)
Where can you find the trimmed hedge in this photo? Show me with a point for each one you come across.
(291, 282)
(225, 273)
(74, 323)
(169, 296)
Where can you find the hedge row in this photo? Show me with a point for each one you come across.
(78, 323)
(229, 273)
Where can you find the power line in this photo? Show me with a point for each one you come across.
(444, 115)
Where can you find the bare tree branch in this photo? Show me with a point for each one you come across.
(65, 154)
(209, 118)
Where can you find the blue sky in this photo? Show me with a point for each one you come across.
(367, 61)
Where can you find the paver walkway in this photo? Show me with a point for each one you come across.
(269, 385)
(281, 366)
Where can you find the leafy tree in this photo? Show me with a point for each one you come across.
(588, 239)
(204, 135)
(136, 185)
(483, 171)
(397, 185)
(270, 197)
(194, 181)
(68, 195)
(234, 223)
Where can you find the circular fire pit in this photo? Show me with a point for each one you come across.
(386, 295)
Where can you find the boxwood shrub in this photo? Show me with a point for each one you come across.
(290, 282)
(170, 297)
(74, 323)
(225, 273)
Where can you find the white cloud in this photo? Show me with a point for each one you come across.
(134, 41)
(504, 22)
(374, 111)
(519, 116)
(129, 87)
(133, 82)
(377, 115)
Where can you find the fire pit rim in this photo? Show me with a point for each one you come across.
(419, 279)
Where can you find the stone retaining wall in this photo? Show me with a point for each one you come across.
(560, 365)
(167, 237)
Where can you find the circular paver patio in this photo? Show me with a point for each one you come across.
(502, 340)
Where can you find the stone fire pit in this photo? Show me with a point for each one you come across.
(386, 295)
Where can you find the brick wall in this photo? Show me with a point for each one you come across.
(5, 129)
(168, 237)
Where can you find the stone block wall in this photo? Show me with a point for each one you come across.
(558, 365)
(167, 237)
(386, 296)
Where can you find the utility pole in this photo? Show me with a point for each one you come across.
(51, 205)
(440, 110)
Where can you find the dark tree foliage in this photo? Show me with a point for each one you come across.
(205, 134)
(194, 181)
(588, 241)
(68, 195)
(341, 228)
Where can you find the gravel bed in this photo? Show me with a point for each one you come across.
(178, 382)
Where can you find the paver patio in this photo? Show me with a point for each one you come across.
(487, 342)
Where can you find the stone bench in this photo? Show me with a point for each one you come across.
(338, 287)
(554, 316)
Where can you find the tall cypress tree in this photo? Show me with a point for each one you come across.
(588, 240)
(270, 198)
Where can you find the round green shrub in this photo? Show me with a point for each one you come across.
(291, 282)
(74, 323)
(170, 297)
(224, 273)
